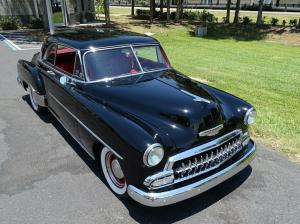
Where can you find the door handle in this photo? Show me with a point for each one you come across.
(51, 72)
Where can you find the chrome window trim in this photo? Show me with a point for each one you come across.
(46, 53)
(123, 75)
(60, 72)
(43, 60)
(83, 125)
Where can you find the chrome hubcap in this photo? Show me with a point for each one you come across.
(114, 170)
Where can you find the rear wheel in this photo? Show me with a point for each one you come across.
(35, 106)
(113, 172)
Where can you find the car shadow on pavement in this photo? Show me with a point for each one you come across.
(144, 214)
(189, 207)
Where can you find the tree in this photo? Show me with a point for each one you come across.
(168, 10)
(179, 9)
(277, 3)
(259, 20)
(132, 7)
(161, 6)
(228, 11)
(106, 11)
(152, 8)
(237, 11)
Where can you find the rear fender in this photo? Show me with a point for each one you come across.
(29, 73)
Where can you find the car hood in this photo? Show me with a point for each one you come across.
(166, 100)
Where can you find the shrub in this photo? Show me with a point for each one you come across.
(246, 20)
(274, 21)
(293, 22)
(9, 23)
(190, 15)
(36, 23)
(142, 14)
(283, 22)
(206, 16)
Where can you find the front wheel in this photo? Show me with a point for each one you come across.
(113, 172)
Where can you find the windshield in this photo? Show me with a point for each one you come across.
(118, 62)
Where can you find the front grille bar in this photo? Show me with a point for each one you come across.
(208, 160)
(206, 157)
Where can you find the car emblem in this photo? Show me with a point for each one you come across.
(196, 98)
(212, 131)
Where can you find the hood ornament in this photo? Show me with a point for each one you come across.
(196, 98)
(212, 131)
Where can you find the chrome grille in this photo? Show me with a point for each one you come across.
(207, 160)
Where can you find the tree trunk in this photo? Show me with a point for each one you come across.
(161, 6)
(228, 11)
(218, 2)
(168, 10)
(259, 20)
(152, 2)
(106, 11)
(132, 7)
(179, 10)
(277, 3)
(237, 11)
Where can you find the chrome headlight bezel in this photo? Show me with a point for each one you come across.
(155, 149)
(251, 113)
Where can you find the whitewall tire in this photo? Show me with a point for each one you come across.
(113, 172)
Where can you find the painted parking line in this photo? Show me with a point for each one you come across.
(9, 43)
(19, 41)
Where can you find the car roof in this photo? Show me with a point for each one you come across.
(83, 39)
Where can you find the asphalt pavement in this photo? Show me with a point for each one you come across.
(45, 177)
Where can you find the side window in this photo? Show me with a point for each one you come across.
(65, 59)
(50, 55)
(147, 53)
(77, 68)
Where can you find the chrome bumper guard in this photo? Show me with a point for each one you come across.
(157, 199)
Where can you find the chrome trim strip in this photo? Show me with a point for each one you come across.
(201, 148)
(85, 149)
(196, 98)
(83, 125)
(157, 176)
(157, 199)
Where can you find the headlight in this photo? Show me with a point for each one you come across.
(153, 155)
(250, 116)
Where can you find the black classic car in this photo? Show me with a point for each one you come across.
(158, 136)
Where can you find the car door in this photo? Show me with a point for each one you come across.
(59, 62)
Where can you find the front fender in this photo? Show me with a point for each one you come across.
(126, 135)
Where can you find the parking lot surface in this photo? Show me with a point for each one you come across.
(45, 177)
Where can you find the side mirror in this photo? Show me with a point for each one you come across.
(65, 80)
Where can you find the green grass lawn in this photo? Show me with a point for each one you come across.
(219, 14)
(265, 74)
(58, 17)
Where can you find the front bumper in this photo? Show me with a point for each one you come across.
(157, 199)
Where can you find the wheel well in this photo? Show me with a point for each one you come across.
(97, 150)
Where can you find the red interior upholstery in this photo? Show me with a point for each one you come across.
(65, 59)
